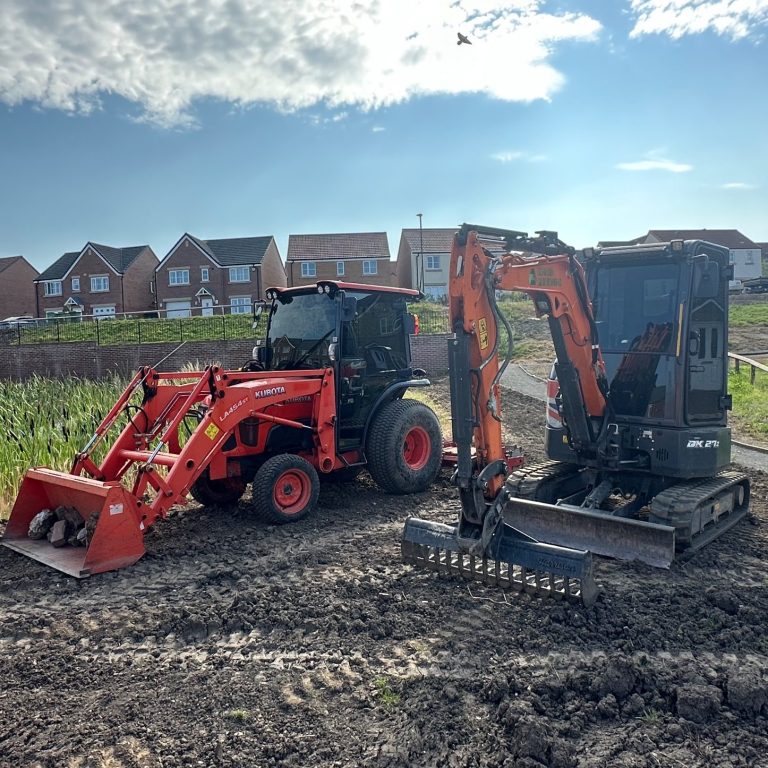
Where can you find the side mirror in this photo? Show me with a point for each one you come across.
(258, 311)
(348, 309)
(706, 279)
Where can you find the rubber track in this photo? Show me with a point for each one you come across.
(679, 502)
(525, 482)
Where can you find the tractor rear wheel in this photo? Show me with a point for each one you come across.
(404, 447)
(285, 488)
(217, 493)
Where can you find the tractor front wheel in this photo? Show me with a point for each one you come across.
(217, 493)
(285, 488)
(404, 447)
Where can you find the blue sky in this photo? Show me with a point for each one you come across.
(132, 123)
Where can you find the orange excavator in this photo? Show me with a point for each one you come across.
(637, 439)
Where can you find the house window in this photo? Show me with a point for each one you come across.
(75, 284)
(52, 288)
(205, 274)
(240, 305)
(99, 283)
(308, 269)
(339, 269)
(370, 267)
(178, 277)
(749, 257)
(433, 262)
(239, 275)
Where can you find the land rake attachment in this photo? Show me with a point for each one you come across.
(510, 560)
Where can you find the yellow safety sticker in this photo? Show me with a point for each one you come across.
(482, 326)
(212, 430)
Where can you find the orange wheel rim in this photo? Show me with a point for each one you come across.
(416, 448)
(291, 491)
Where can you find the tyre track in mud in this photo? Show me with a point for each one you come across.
(234, 643)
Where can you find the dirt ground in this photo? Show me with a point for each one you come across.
(233, 643)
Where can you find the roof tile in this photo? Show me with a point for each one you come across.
(348, 245)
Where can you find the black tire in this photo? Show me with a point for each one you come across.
(217, 493)
(404, 447)
(285, 489)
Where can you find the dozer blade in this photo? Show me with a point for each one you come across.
(115, 537)
(511, 561)
(601, 533)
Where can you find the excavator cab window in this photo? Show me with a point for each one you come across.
(635, 309)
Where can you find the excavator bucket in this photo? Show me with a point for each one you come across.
(108, 514)
(511, 560)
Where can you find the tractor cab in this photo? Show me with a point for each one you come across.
(360, 331)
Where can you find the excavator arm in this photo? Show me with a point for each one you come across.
(482, 546)
(548, 272)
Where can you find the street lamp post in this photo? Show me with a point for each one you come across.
(420, 266)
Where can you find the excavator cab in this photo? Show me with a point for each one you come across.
(661, 317)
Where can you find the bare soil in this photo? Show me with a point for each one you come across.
(234, 643)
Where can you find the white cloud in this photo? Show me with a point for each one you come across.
(731, 18)
(655, 161)
(378, 129)
(513, 156)
(163, 54)
(739, 185)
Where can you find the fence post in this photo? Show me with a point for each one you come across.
(18, 332)
(138, 330)
(58, 331)
(752, 372)
(181, 329)
(223, 325)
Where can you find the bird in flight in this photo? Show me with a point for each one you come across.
(463, 39)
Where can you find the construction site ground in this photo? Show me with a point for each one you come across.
(234, 643)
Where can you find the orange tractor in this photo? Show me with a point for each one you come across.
(322, 397)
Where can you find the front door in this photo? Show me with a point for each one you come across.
(207, 306)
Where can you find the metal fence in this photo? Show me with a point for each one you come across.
(136, 328)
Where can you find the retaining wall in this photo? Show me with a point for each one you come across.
(91, 361)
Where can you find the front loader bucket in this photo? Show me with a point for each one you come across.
(112, 519)
(511, 560)
(599, 532)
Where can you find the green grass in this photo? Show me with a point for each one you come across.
(750, 402)
(240, 715)
(384, 692)
(135, 331)
(45, 422)
(749, 314)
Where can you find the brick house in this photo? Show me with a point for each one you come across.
(354, 257)
(17, 289)
(744, 254)
(203, 277)
(423, 259)
(98, 280)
